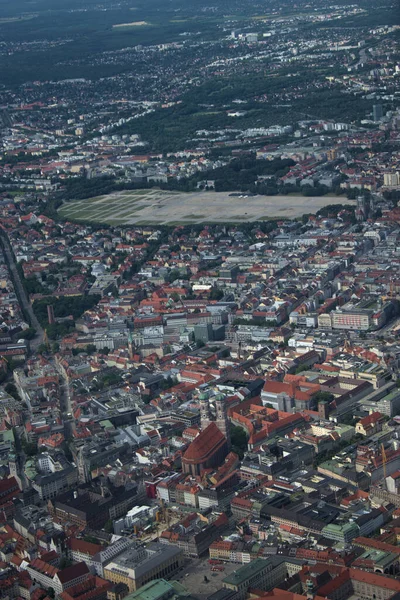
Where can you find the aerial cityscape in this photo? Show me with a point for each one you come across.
(199, 300)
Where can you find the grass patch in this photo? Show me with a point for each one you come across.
(169, 223)
(159, 207)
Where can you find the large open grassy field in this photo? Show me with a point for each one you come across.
(157, 207)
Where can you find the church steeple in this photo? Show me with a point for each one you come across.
(222, 420)
(205, 412)
(14, 465)
(130, 345)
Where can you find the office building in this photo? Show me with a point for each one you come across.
(136, 566)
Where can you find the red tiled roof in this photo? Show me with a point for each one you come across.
(77, 545)
(371, 419)
(204, 444)
(43, 567)
(73, 572)
(93, 587)
(366, 542)
(7, 486)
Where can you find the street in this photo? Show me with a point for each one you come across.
(20, 291)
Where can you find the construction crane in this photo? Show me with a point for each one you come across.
(164, 513)
(347, 346)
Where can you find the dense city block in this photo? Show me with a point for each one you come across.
(199, 300)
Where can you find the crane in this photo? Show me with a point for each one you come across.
(347, 346)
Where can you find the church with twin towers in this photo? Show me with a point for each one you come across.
(210, 448)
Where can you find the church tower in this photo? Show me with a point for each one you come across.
(84, 474)
(222, 420)
(14, 465)
(130, 345)
(205, 412)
